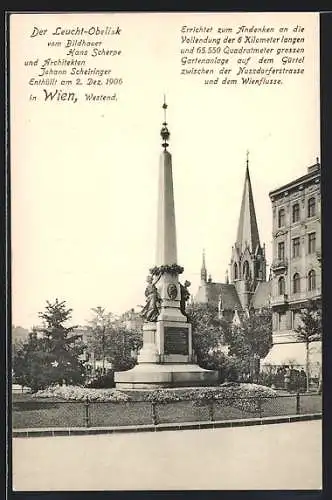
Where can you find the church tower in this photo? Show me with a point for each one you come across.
(248, 265)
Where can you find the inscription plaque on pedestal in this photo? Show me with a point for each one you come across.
(175, 340)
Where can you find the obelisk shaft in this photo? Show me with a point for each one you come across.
(166, 251)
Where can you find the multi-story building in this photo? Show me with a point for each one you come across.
(296, 262)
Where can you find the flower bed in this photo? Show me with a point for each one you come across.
(203, 394)
(200, 395)
(75, 393)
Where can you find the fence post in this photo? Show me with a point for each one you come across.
(154, 413)
(260, 406)
(211, 411)
(86, 413)
(297, 403)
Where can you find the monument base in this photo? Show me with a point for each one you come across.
(154, 376)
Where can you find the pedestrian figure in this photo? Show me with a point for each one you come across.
(303, 381)
(287, 378)
(294, 379)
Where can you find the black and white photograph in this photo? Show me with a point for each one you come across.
(166, 293)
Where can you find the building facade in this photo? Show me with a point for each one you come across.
(296, 262)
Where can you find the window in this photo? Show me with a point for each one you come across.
(281, 250)
(311, 280)
(296, 283)
(311, 207)
(281, 321)
(296, 212)
(311, 242)
(281, 217)
(235, 271)
(258, 270)
(281, 286)
(296, 247)
(296, 318)
(246, 269)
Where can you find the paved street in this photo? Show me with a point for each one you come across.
(279, 456)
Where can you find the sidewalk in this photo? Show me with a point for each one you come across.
(262, 457)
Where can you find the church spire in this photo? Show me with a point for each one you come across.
(247, 233)
(203, 269)
(226, 277)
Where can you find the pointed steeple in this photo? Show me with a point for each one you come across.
(226, 277)
(247, 233)
(203, 269)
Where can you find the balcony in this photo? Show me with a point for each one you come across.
(298, 296)
(279, 300)
(279, 265)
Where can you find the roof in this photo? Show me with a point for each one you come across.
(229, 296)
(309, 176)
(247, 233)
(262, 294)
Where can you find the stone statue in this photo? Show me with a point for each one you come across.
(185, 296)
(151, 309)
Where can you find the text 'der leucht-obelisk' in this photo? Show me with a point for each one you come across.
(166, 358)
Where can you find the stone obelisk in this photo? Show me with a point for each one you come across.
(167, 358)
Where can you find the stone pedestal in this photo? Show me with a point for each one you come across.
(166, 360)
(149, 352)
(156, 376)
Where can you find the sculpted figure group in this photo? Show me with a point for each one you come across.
(151, 310)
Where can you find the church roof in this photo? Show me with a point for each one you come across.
(247, 233)
(262, 294)
(230, 301)
(229, 296)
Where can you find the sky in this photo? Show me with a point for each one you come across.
(84, 176)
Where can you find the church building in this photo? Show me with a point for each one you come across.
(245, 286)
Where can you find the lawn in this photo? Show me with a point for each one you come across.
(31, 412)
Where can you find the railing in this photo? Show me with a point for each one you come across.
(279, 300)
(46, 414)
(279, 264)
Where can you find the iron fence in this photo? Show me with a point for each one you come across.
(43, 414)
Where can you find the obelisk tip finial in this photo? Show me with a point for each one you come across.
(164, 131)
(247, 161)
